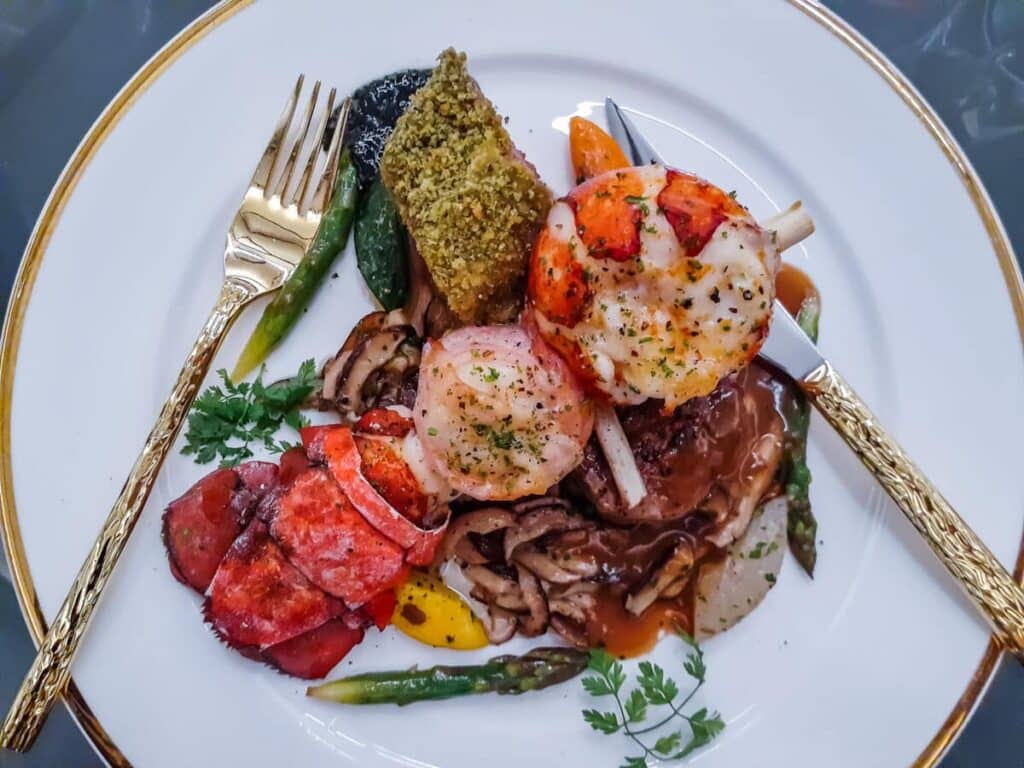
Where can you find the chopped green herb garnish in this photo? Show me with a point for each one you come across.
(227, 420)
(504, 440)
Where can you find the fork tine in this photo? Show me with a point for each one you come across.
(326, 184)
(286, 173)
(314, 153)
(261, 176)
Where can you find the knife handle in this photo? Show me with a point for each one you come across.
(988, 585)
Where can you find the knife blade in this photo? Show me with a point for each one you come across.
(626, 135)
(787, 346)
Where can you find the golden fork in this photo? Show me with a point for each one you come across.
(270, 233)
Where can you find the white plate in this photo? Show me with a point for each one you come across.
(861, 667)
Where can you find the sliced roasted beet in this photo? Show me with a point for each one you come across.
(257, 598)
(258, 477)
(199, 527)
(384, 421)
(315, 653)
(176, 571)
(293, 463)
(329, 541)
(380, 608)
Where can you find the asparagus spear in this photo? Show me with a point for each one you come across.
(537, 669)
(380, 247)
(293, 298)
(801, 526)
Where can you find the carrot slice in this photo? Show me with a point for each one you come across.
(593, 151)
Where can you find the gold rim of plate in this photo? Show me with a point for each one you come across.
(22, 289)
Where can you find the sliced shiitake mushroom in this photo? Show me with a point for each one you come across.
(376, 366)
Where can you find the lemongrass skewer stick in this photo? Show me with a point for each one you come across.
(619, 455)
(789, 227)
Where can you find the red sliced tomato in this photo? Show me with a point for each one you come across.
(381, 607)
(384, 421)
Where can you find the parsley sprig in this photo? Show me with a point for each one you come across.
(653, 689)
(227, 420)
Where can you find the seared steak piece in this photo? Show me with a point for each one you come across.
(708, 454)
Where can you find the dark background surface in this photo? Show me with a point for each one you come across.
(61, 61)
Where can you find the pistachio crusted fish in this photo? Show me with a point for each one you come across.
(471, 202)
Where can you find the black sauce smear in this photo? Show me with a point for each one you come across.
(376, 108)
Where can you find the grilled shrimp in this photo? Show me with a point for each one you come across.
(652, 283)
(499, 413)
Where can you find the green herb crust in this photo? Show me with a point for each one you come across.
(471, 203)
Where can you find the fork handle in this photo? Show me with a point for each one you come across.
(995, 593)
(49, 673)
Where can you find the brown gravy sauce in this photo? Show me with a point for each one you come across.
(709, 453)
(623, 634)
(793, 287)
